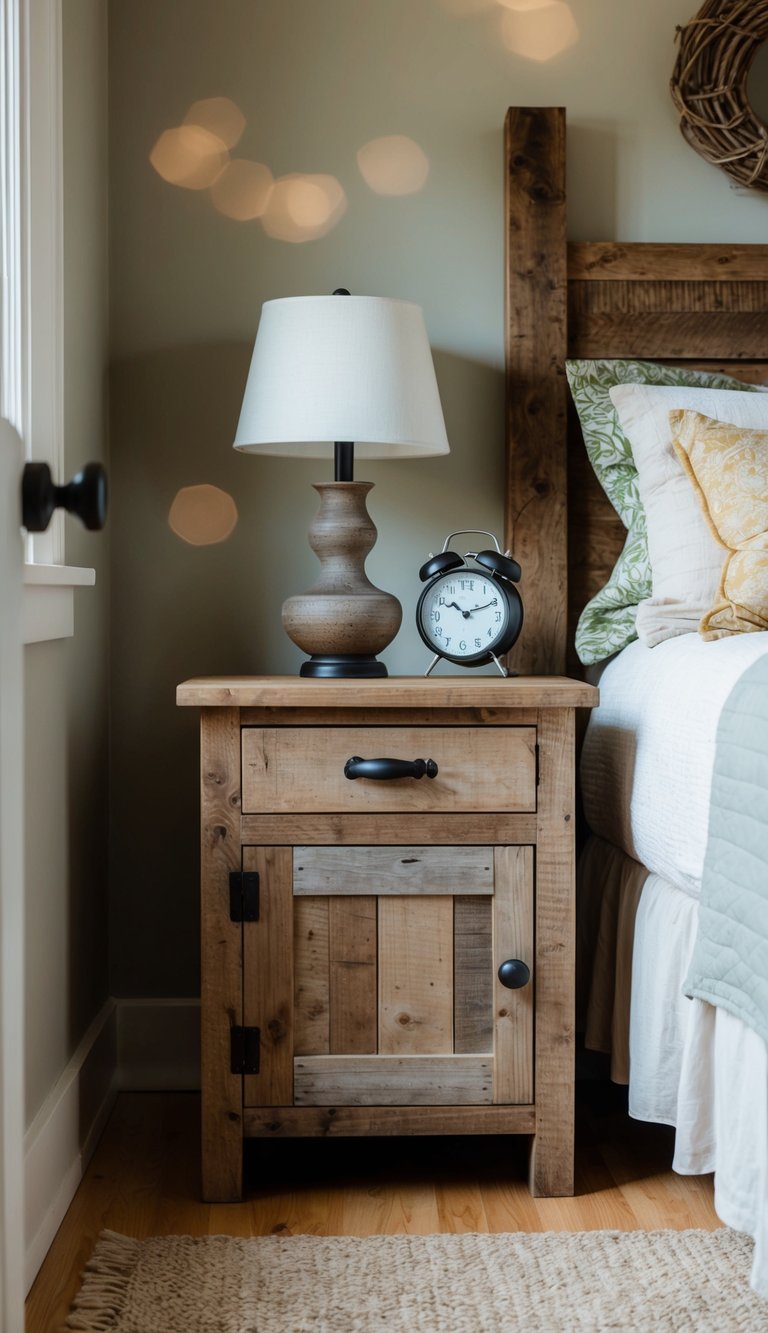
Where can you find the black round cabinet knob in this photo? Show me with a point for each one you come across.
(85, 496)
(514, 973)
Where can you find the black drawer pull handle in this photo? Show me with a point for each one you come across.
(382, 770)
(514, 974)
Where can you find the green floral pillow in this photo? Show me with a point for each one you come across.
(607, 623)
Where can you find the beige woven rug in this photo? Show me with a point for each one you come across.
(659, 1281)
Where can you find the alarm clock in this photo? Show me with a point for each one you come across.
(470, 612)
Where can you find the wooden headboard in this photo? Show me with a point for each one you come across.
(705, 305)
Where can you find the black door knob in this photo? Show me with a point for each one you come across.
(514, 973)
(85, 495)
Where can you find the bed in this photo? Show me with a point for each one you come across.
(651, 758)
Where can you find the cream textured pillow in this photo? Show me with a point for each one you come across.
(686, 559)
(728, 466)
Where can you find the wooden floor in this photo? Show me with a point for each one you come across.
(143, 1180)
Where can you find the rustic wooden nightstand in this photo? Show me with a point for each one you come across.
(387, 955)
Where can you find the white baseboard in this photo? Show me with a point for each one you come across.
(60, 1141)
(132, 1045)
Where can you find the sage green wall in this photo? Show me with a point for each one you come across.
(66, 680)
(315, 81)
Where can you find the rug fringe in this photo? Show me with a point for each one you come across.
(101, 1298)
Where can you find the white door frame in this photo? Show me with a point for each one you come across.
(31, 352)
(31, 158)
(11, 888)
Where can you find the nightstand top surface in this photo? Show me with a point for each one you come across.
(388, 692)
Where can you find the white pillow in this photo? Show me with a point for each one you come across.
(686, 559)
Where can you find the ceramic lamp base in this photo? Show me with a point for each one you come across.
(343, 621)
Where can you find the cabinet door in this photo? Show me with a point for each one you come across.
(372, 974)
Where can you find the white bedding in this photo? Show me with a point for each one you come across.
(688, 1064)
(646, 773)
(646, 765)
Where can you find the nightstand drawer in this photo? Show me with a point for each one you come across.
(301, 769)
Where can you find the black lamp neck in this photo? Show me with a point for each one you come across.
(343, 460)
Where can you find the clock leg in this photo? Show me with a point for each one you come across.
(500, 665)
(432, 664)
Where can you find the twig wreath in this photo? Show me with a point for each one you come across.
(709, 87)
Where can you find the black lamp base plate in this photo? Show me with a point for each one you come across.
(344, 665)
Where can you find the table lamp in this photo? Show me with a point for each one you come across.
(335, 374)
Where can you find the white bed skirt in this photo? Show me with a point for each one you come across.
(688, 1064)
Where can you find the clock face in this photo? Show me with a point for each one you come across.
(463, 615)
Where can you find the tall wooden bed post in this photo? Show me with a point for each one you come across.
(536, 344)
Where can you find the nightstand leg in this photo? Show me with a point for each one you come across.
(221, 958)
(551, 1164)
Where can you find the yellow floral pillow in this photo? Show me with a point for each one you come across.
(728, 466)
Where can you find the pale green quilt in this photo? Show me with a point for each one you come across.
(729, 966)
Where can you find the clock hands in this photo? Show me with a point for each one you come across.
(467, 614)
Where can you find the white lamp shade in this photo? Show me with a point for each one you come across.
(353, 368)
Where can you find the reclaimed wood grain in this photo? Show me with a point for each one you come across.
(642, 261)
(524, 691)
(388, 829)
(353, 993)
(221, 956)
(513, 1009)
(312, 981)
(297, 769)
(415, 975)
(536, 314)
(393, 1080)
(268, 977)
(392, 870)
(330, 1122)
(472, 975)
(551, 1168)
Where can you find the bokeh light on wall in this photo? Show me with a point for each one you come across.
(219, 116)
(303, 207)
(189, 156)
(393, 164)
(538, 29)
(242, 190)
(202, 515)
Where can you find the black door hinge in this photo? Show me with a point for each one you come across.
(245, 1047)
(244, 895)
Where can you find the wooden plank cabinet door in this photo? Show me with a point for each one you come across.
(372, 975)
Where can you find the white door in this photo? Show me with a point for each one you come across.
(11, 888)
